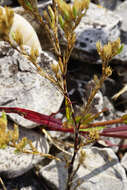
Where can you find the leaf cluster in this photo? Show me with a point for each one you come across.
(10, 137)
(108, 51)
(67, 17)
(7, 136)
(29, 5)
(70, 15)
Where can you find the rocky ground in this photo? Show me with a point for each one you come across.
(103, 168)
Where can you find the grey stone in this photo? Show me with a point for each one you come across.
(100, 170)
(21, 85)
(121, 11)
(124, 160)
(122, 57)
(111, 109)
(26, 188)
(109, 4)
(97, 24)
(14, 164)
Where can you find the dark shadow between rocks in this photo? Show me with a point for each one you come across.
(30, 179)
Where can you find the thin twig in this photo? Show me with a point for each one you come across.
(53, 142)
(2, 183)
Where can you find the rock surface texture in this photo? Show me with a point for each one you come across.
(124, 161)
(97, 24)
(22, 86)
(100, 170)
(109, 4)
(121, 11)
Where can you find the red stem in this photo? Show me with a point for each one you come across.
(119, 135)
(109, 122)
(121, 128)
(34, 116)
(53, 124)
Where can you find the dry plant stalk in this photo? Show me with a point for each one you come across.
(2, 183)
(6, 20)
(67, 17)
(11, 138)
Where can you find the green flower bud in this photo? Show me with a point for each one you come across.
(61, 21)
(51, 13)
(74, 11)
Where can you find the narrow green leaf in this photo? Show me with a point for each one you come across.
(28, 5)
(61, 21)
(4, 117)
(87, 119)
(17, 151)
(3, 146)
(120, 49)
(124, 118)
(66, 15)
(125, 121)
(90, 129)
(74, 11)
(68, 110)
(78, 118)
(51, 13)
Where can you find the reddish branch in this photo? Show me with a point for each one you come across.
(54, 124)
(34, 116)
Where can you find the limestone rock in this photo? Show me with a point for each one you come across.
(124, 161)
(121, 11)
(22, 86)
(14, 164)
(97, 24)
(100, 170)
(109, 4)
